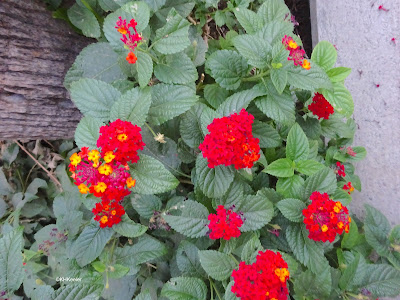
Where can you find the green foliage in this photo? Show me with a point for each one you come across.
(182, 288)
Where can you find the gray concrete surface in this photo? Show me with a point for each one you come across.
(362, 34)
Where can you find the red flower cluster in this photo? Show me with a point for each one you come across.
(263, 280)
(129, 39)
(348, 187)
(225, 224)
(296, 53)
(340, 169)
(324, 218)
(321, 107)
(122, 140)
(231, 142)
(349, 151)
(108, 213)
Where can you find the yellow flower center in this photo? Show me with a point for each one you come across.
(75, 159)
(109, 156)
(122, 30)
(282, 273)
(324, 228)
(94, 155)
(104, 219)
(83, 189)
(105, 169)
(306, 64)
(106, 207)
(340, 225)
(130, 182)
(113, 212)
(122, 137)
(100, 187)
(292, 44)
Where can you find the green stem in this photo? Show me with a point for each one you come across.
(20, 179)
(212, 286)
(151, 129)
(186, 181)
(234, 259)
(152, 57)
(256, 77)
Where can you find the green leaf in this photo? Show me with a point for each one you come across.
(250, 21)
(314, 286)
(323, 181)
(268, 135)
(132, 106)
(251, 249)
(220, 18)
(99, 266)
(187, 259)
(338, 74)
(382, 280)
(111, 5)
(118, 271)
(215, 95)
(90, 243)
(177, 69)
(273, 32)
(155, 5)
(152, 177)
(273, 10)
(5, 187)
(192, 220)
(76, 292)
(236, 102)
(308, 167)
(257, 51)
(129, 228)
(146, 205)
(257, 211)
(291, 187)
(217, 265)
(213, 182)
(87, 132)
(170, 101)
(292, 209)
(282, 167)
(325, 55)
(173, 37)
(144, 68)
(279, 107)
(85, 20)
(11, 270)
(94, 98)
(133, 10)
(349, 273)
(184, 288)
(190, 126)
(341, 99)
(297, 147)
(312, 79)
(227, 67)
(279, 79)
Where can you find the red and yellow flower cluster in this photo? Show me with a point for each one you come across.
(348, 187)
(296, 53)
(263, 280)
(105, 174)
(225, 224)
(231, 142)
(129, 39)
(321, 107)
(325, 218)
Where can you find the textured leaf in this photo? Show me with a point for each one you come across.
(324, 54)
(187, 259)
(85, 20)
(76, 292)
(218, 265)
(312, 79)
(291, 187)
(292, 209)
(338, 74)
(5, 187)
(323, 181)
(268, 135)
(250, 250)
(257, 211)
(90, 243)
(314, 286)
(279, 79)
(383, 280)
(214, 182)
(297, 147)
(273, 10)
(273, 32)
(94, 98)
(112, 5)
(257, 51)
(341, 99)
(133, 106)
(170, 101)
(177, 69)
(152, 177)
(227, 67)
(87, 132)
(250, 21)
(184, 288)
(282, 167)
(173, 37)
(308, 167)
(11, 270)
(190, 126)
(146, 205)
(349, 273)
(215, 95)
(192, 221)
(129, 228)
(144, 68)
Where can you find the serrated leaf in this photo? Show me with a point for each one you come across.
(382, 280)
(192, 221)
(282, 167)
(118, 271)
(273, 32)
(217, 265)
(146, 205)
(87, 132)
(11, 270)
(338, 74)
(132, 106)
(129, 228)
(169, 101)
(144, 68)
(323, 181)
(94, 98)
(291, 187)
(187, 259)
(257, 211)
(190, 126)
(279, 79)
(173, 37)
(349, 272)
(85, 20)
(214, 182)
(310, 286)
(273, 10)
(250, 21)
(268, 135)
(184, 288)
(251, 249)
(90, 243)
(177, 69)
(308, 167)
(133, 10)
(257, 51)
(324, 54)
(227, 67)
(215, 95)
(151, 176)
(76, 292)
(297, 147)
(292, 209)
(111, 5)
(341, 99)
(314, 78)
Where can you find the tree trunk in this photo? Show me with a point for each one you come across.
(36, 51)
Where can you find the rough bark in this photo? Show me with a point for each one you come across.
(36, 51)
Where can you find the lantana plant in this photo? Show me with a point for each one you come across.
(207, 168)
